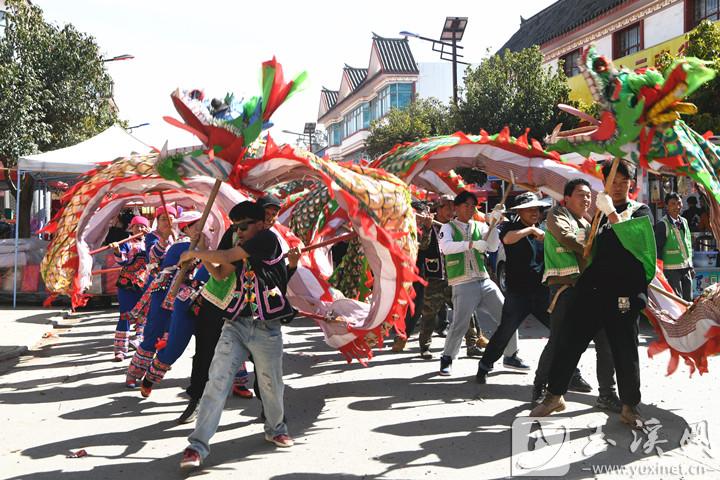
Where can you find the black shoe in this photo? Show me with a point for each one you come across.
(442, 333)
(481, 376)
(474, 351)
(538, 394)
(609, 402)
(426, 354)
(190, 413)
(515, 362)
(578, 384)
(446, 365)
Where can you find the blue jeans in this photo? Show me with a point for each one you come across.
(240, 339)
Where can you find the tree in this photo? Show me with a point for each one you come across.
(54, 91)
(422, 118)
(515, 90)
(704, 43)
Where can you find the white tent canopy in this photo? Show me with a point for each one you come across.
(104, 147)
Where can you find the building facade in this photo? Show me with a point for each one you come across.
(392, 79)
(632, 33)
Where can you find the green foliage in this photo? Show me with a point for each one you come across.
(54, 90)
(704, 43)
(422, 118)
(515, 90)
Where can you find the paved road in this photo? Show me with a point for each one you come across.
(396, 419)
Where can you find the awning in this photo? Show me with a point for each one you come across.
(104, 147)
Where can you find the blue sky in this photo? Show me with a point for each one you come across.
(219, 45)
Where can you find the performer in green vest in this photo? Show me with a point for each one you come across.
(674, 247)
(463, 245)
(565, 237)
(610, 294)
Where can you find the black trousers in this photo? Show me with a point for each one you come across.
(681, 281)
(208, 325)
(558, 318)
(592, 310)
(516, 308)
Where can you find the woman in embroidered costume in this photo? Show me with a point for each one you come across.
(183, 313)
(131, 281)
(159, 312)
(157, 243)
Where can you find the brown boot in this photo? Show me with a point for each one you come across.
(551, 403)
(399, 344)
(631, 416)
(482, 341)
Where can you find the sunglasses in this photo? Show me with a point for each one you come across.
(242, 226)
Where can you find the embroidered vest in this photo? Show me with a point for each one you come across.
(559, 260)
(455, 262)
(134, 275)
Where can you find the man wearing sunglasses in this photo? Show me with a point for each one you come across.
(255, 307)
(208, 325)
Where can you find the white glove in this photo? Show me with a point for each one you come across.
(480, 245)
(604, 203)
(496, 215)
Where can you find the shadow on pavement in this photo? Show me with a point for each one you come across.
(465, 441)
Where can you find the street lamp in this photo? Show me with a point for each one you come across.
(452, 32)
(124, 56)
(309, 130)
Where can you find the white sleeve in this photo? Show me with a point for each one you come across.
(493, 241)
(447, 245)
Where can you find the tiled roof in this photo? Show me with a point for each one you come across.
(329, 97)
(560, 17)
(356, 76)
(395, 55)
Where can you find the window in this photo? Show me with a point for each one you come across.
(365, 107)
(335, 131)
(373, 109)
(354, 121)
(703, 10)
(570, 63)
(628, 40)
(397, 95)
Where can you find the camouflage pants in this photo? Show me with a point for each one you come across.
(438, 294)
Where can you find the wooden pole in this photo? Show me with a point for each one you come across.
(124, 240)
(177, 281)
(106, 270)
(164, 204)
(332, 241)
(502, 202)
(670, 295)
(598, 213)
